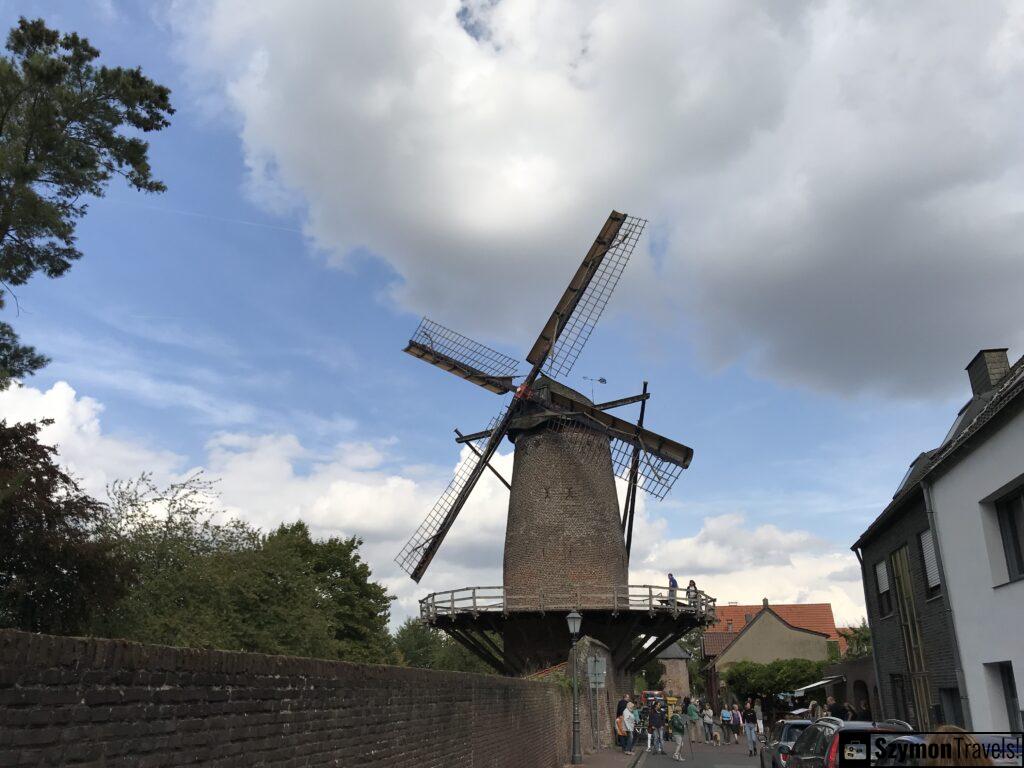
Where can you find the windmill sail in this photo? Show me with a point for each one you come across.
(421, 548)
(575, 332)
(451, 351)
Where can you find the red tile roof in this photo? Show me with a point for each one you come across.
(713, 643)
(816, 617)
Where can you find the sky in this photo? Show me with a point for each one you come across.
(835, 199)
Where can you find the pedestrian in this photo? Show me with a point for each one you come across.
(864, 713)
(750, 728)
(814, 710)
(619, 709)
(693, 717)
(691, 593)
(851, 713)
(658, 728)
(629, 723)
(726, 717)
(836, 710)
(673, 586)
(760, 716)
(679, 726)
(736, 721)
(709, 723)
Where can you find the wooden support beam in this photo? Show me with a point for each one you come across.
(621, 402)
(473, 646)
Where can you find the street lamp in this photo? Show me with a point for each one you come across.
(574, 620)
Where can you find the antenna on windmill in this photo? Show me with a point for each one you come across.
(651, 461)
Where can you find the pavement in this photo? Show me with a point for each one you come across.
(702, 756)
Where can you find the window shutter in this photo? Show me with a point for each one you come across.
(882, 576)
(931, 566)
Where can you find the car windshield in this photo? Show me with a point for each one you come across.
(794, 731)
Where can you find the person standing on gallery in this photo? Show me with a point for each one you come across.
(673, 587)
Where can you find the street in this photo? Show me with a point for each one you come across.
(703, 756)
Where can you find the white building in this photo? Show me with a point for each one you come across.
(974, 494)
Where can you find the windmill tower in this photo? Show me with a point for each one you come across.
(566, 542)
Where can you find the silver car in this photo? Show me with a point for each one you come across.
(783, 733)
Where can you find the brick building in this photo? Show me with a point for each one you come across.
(943, 566)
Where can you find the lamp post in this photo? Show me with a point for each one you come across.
(574, 620)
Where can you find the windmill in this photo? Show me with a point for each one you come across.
(564, 532)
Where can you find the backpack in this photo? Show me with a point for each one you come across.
(620, 726)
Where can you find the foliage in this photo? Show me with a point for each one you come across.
(421, 646)
(858, 640)
(653, 672)
(66, 127)
(832, 650)
(751, 679)
(691, 642)
(204, 581)
(54, 573)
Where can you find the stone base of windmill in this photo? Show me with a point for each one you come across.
(521, 633)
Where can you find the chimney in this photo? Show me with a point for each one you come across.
(728, 625)
(764, 603)
(987, 369)
(746, 618)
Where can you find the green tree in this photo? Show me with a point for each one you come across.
(67, 126)
(54, 573)
(749, 679)
(858, 640)
(201, 580)
(421, 646)
(653, 672)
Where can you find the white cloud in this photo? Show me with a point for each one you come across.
(91, 455)
(273, 478)
(835, 188)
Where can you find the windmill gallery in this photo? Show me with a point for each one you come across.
(567, 543)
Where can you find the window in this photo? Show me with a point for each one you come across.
(1013, 710)
(931, 565)
(1011, 526)
(884, 593)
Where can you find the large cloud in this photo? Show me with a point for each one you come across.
(835, 189)
(354, 489)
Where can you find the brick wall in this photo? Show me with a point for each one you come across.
(105, 702)
(886, 635)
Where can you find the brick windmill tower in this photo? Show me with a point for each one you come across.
(566, 542)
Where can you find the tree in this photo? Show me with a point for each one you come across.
(54, 574)
(653, 672)
(751, 679)
(204, 580)
(858, 640)
(67, 126)
(421, 646)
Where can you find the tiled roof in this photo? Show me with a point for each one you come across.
(817, 617)
(713, 643)
(543, 674)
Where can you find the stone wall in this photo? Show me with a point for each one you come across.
(105, 702)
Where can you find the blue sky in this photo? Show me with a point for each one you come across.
(232, 313)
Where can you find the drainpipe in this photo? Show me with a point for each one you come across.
(879, 683)
(961, 683)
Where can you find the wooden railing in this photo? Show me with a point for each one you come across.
(475, 600)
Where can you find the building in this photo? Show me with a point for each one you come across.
(943, 566)
(676, 680)
(762, 634)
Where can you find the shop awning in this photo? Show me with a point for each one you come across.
(819, 684)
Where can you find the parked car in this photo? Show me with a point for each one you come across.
(818, 745)
(1009, 746)
(783, 734)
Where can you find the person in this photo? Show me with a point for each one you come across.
(815, 710)
(851, 713)
(619, 709)
(750, 728)
(760, 716)
(679, 726)
(834, 709)
(693, 716)
(726, 717)
(691, 593)
(629, 723)
(658, 728)
(736, 721)
(963, 749)
(709, 723)
(864, 713)
(673, 586)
